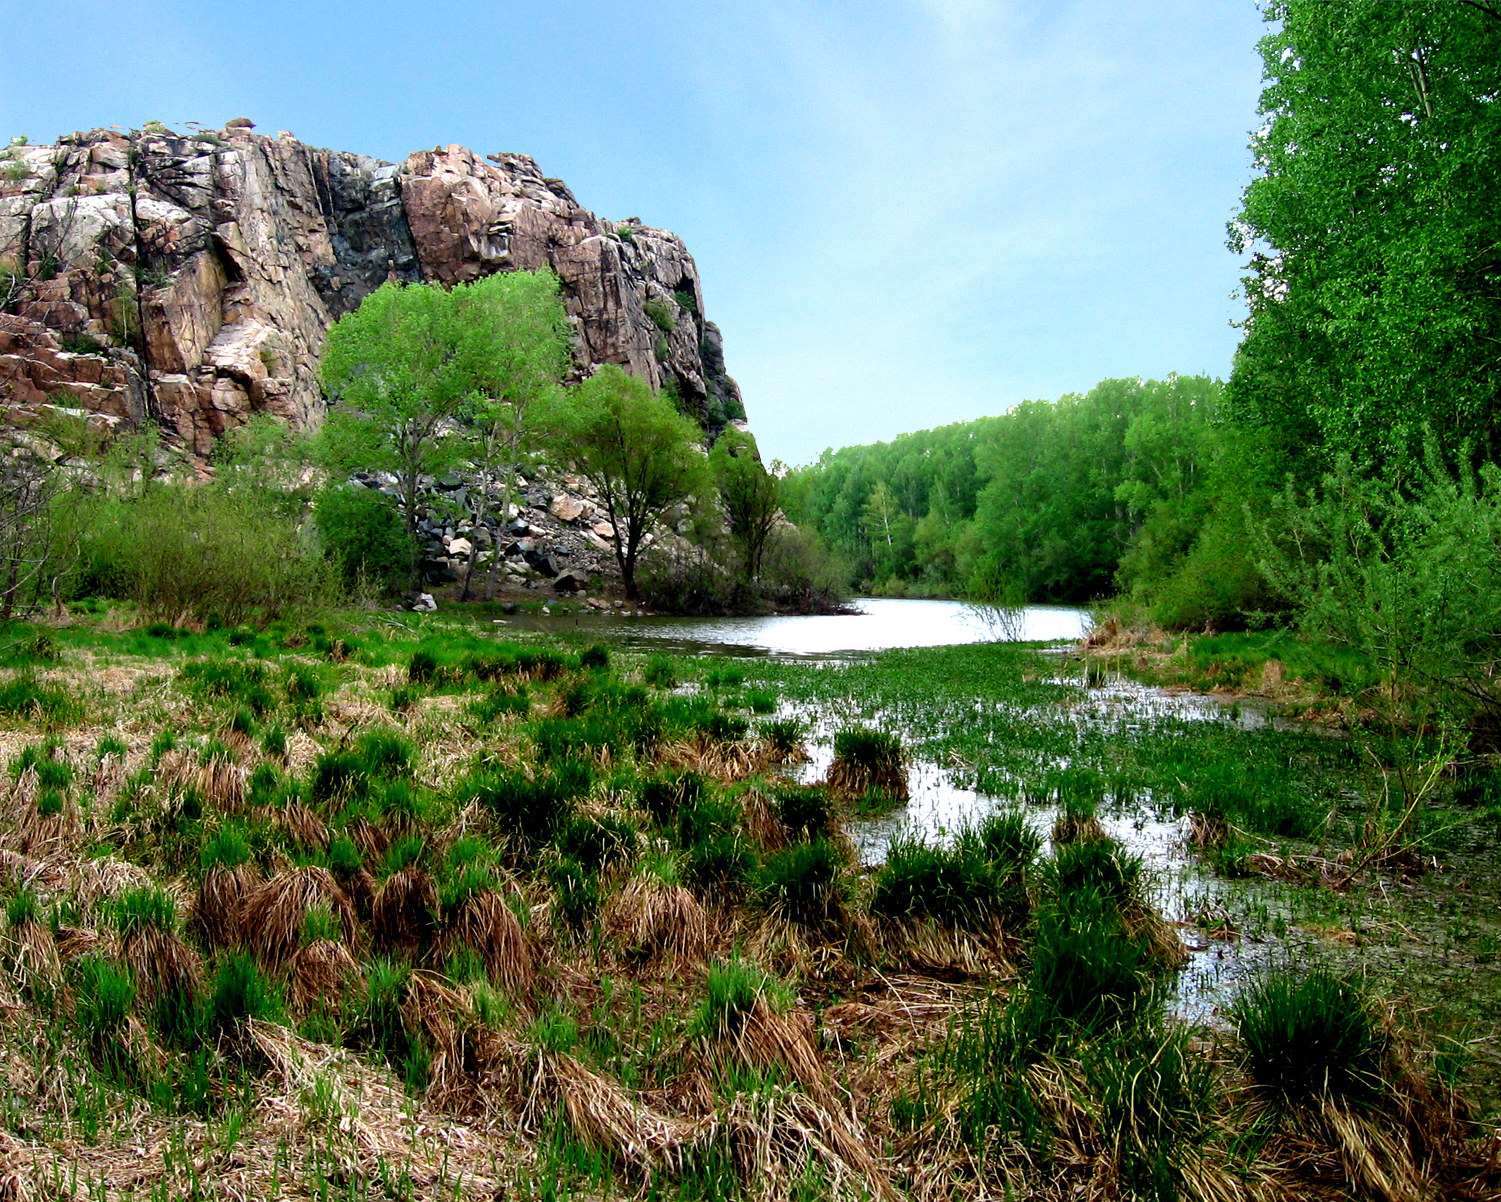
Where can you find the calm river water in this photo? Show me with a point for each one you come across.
(880, 625)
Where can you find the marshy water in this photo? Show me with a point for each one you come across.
(1429, 938)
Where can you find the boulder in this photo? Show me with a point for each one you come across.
(424, 603)
(460, 546)
(570, 581)
(566, 508)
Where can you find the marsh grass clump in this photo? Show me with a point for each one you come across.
(806, 811)
(783, 739)
(596, 657)
(805, 883)
(242, 682)
(532, 807)
(866, 759)
(578, 893)
(733, 988)
(23, 696)
(103, 1000)
(1084, 968)
(496, 703)
(238, 992)
(1007, 840)
(663, 796)
(1308, 1036)
(956, 887)
(598, 842)
(1077, 821)
(377, 757)
(661, 672)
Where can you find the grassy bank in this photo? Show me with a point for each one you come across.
(374, 908)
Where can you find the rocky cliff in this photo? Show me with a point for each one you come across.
(189, 280)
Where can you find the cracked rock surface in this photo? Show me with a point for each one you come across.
(190, 280)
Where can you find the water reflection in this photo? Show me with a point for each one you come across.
(880, 624)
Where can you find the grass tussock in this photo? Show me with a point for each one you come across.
(867, 761)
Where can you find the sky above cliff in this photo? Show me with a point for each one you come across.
(904, 212)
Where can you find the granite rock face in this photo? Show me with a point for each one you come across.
(189, 281)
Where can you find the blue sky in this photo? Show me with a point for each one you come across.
(905, 212)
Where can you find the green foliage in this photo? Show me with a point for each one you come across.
(103, 995)
(807, 811)
(1307, 1036)
(636, 450)
(1045, 497)
(363, 533)
(1372, 311)
(749, 494)
(661, 315)
(202, 550)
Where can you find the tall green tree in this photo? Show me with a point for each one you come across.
(1374, 291)
(749, 495)
(641, 455)
(515, 344)
(401, 385)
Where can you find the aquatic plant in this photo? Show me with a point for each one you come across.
(866, 759)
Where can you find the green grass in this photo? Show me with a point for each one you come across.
(731, 991)
(1307, 1035)
(805, 883)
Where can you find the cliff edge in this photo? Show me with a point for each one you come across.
(189, 280)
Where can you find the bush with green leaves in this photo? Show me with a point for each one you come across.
(364, 535)
(202, 550)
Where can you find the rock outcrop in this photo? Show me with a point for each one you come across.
(189, 280)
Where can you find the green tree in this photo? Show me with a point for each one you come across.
(516, 346)
(1373, 298)
(749, 494)
(401, 375)
(640, 454)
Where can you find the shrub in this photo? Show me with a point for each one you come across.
(1307, 1036)
(804, 882)
(662, 315)
(202, 550)
(364, 535)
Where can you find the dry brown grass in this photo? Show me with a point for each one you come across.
(1077, 828)
(31, 952)
(404, 914)
(653, 920)
(487, 926)
(161, 964)
(218, 911)
(761, 822)
(277, 910)
(321, 973)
